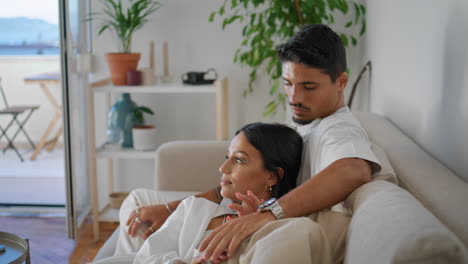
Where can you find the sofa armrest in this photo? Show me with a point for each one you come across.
(189, 165)
(389, 225)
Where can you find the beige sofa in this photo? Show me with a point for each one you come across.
(425, 221)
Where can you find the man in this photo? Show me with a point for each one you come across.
(337, 158)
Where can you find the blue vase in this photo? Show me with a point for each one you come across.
(121, 118)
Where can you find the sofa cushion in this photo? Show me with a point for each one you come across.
(387, 173)
(436, 187)
(390, 226)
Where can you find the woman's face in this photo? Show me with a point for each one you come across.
(244, 170)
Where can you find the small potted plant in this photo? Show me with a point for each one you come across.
(123, 22)
(144, 136)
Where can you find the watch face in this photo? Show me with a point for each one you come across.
(267, 203)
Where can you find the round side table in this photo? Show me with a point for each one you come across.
(13, 249)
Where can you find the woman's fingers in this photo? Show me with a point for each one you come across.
(197, 260)
(134, 226)
(254, 198)
(230, 235)
(219, 246)
(246, 200)
(153, 216)
(130, 218)
(131, 222)
(250, 203)
(213, 239)
(149, 231)
(238, 208)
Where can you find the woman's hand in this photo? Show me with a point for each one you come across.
(250, 203)
(200, 260)
(197, 260)
(153, 216)
(223, 241)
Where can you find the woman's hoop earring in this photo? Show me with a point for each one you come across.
(269, 188)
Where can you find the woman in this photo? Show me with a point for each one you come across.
(263, 161)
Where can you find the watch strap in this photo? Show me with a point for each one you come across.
(275, 208)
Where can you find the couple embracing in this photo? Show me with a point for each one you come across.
(276, 179)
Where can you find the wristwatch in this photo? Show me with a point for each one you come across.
(272, 205)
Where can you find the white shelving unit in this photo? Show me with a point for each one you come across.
(124, 153)
(219, 89)
(170, 88)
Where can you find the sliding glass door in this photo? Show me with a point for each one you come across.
(75, 49)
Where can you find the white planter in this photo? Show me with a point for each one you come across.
(144, 138)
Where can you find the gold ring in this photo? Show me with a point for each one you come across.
(151, 229)
(137, 220)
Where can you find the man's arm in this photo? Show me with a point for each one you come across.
(327, 188)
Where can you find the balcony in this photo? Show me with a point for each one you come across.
(41, 181)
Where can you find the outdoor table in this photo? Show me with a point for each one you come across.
(44, 80)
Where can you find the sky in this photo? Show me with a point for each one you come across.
(43, 9)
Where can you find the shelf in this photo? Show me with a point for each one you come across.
(220, 91)
(167, 88)
(124, 153)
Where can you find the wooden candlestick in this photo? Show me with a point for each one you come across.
(152, 55)
(166, 58)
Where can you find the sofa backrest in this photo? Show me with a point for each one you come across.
(199, 172)
(435, 186)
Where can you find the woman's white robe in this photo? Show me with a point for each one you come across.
(179, 237)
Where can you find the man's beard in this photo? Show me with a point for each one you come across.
(301, 122)
(298, 121)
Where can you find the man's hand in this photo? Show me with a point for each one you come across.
(250, 203)
(154, 216)
(229, 236)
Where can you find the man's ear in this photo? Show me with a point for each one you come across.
(342, 81)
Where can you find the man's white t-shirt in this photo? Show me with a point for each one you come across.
(334, 137)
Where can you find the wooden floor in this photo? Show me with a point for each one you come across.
(86, 247)
(49, 241)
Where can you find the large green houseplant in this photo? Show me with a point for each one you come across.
(267, 23)
(123, 21)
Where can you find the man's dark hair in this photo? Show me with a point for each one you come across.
(280, 147)
(316, 46)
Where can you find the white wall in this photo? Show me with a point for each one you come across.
(194, 44)
(419, 51)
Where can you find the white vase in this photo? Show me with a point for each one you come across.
(144, 138)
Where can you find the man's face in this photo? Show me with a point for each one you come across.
(311, 93)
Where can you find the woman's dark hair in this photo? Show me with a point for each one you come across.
(280, 147)
(316, 46)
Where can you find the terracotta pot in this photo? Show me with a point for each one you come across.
(120, 64)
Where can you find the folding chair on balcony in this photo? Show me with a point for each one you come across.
(14, 112)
